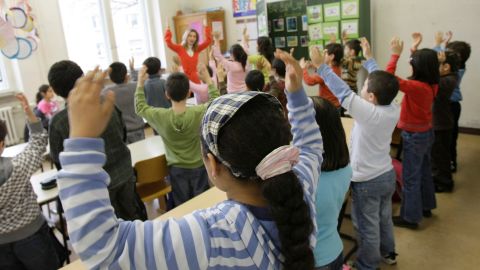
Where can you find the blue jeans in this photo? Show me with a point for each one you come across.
(337, 264)
(418, 188)
(36, 251)
(187, 183)
(372, 218)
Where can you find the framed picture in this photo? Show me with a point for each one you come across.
(331, 12)
(315, 31)
(351, 28)
(304, 41)
(350, 9)
(244, 8)
(292, 25)
(304, 23)
(278, 25)
(292, 41)
(280, 42)
(330, 28)
(315, 14)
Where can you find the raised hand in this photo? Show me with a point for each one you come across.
(332, 38)
(203, 74)
(367, 50)
(318, 58)
(292, 50)
(221, 74)
(294, 73)
(142, 76)
(131, 63)
(439, 38)
(449, 36)
(245, 34)
(396, 46)
(26, 108)
(88, 112)
(344, 36)
(417, 39)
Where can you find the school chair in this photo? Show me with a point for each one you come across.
(151, 182)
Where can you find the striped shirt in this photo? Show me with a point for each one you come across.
(225, 236)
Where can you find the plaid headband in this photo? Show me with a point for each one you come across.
(219, 112)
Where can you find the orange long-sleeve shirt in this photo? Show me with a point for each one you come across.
(189, 63)
(323, 90)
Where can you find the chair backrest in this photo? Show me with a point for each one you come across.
(151, 170)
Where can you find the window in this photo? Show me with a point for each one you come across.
(105, 39)
(3, 76)
(86, 42)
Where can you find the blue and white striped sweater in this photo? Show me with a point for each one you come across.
(225, 236)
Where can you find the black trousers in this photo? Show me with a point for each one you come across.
(456, 110)
(442, 175)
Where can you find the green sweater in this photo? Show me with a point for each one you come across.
(179, 132)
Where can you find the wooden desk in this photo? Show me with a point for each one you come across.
(145, 149)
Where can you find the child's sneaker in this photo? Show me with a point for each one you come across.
(390, 258)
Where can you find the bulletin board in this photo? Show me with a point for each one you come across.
(326, 17)
(300, 24)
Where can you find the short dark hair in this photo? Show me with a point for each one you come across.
(354, 44)
(425, 66)
(42, 90)
(255, 80)
(177, 86)
(383, 85)
(153, 65)
(118, 72)
(463, 49)
(63, 75)
(3, 130)
(453, 60)
(337, 50)
(335, 155)
(279, 67)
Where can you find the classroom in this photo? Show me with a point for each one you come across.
(239, 134)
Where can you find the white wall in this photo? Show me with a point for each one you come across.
(393, 17)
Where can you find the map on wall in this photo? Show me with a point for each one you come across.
(244, 8)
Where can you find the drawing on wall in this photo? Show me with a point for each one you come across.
(244, 8)
(292, 41)
(351, 28)
(350, 9)
(304, 23)
(331, 12)
(315, 14)
(280, 42)
(304, 41)
(292, 24)
(278, 25)
(315, 31)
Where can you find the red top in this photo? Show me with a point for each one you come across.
(323, 90)
(416, 113)
(189, 63)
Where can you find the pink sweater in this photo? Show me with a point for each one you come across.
(235, 73)
(200, 91)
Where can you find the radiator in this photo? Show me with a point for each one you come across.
(6, 114)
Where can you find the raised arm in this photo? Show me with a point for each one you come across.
(208, 39)
(370, 65)
(141, 107)
(168, 39)
(98, 237)
(306, 133)
(227, 65)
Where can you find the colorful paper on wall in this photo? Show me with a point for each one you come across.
(351, 28)
(331, 12)
(350, 9)
(330, 28)
(315, 32)
(315, 14)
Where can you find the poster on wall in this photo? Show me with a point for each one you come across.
(304, 23)
(292, 41)
(315, 32)
(278, 25)
(350, 9)
(330, 28)
(244, 8)
(292, 24)
(304, 41)
(331, 12)
(315, 14)
(351, 28)
(280, 42)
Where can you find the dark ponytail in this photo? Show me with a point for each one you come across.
(239, 55)
(42, 91)
(292, 215)
(254, 131)
(265, 48)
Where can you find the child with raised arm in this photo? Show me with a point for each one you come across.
(334, 56)
(270, 186)
(25, 239)
(178, 126)
(417, 133)
(236, 68)
(189, 50)
(373, 180)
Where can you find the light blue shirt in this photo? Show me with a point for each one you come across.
(330, 195)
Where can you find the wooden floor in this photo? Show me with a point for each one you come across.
(448, 240)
